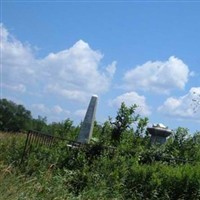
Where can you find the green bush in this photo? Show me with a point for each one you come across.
(95, 171)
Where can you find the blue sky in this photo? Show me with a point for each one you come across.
(56, 54)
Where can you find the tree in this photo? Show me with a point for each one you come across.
(182, 144)
(141, 126)
(125, 117)
(68, 124)
(39, 124)
(61, 129)
(13, 117)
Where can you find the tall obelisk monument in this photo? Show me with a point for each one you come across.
(88, 123)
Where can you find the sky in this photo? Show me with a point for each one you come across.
(56, 54)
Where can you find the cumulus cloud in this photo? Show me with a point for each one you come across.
(131, 98)
(77, 72)
(57, 109)
(111, 68)
(73, 73)
(17, 58)
(18, 88)
(41, 108)
(187, 106)
(158, 76)
(45, 110)
(70, 94)
(80, 113)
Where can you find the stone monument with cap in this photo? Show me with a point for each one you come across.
(159, 133)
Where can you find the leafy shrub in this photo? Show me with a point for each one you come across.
(132, 170)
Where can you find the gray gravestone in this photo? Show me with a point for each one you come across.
(159, 133)
(88, 123)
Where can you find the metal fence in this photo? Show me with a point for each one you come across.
(35, 138)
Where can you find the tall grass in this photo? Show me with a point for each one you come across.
(61, 173)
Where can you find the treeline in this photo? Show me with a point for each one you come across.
(181, 145)
(16, 118)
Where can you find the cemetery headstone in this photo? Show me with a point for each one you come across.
(88, 123)
(159, 133)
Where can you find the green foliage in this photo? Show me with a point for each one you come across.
(126, 116)
(61, 129)
(13, 117)
(11, 148)
(196, 102)
(141, 126)
(39, 124)
(183, 146)
(96, 170)
(132, 169)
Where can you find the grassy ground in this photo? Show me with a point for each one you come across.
(58, 173)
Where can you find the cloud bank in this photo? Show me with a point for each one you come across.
(131, 98)
(186, 107)
(73, 73)
(158, 76)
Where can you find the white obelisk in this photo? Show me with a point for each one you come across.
(88, 123)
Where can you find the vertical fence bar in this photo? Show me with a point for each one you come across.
(24, 151)
(36, 138)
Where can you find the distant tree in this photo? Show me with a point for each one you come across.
(39, 124)
(61, 129)
(68, 125)
(13, 117)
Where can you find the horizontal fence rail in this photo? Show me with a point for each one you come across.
(37, 138)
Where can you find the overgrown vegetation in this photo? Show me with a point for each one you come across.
(126, 168)
(16, 118)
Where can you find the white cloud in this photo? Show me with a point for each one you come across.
(18, 88)
(187, 106)
(41, 108)
(17, 59)
(80, 113)
(111, 68)
(73, 73)
(52, 111)
(130, 99)
(158, 76)
(77, 72)
(70, 94)
(58, 110)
